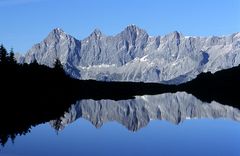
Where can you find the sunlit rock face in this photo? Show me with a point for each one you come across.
(137, 113)
(133, 55)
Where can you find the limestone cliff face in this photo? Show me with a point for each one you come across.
(133, 55)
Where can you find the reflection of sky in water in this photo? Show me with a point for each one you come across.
(192, 137)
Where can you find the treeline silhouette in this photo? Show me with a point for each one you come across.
(222, 86)
(31, 94)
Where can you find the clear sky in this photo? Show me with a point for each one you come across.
(26, 22)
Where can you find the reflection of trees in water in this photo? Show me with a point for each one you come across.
(30, 94)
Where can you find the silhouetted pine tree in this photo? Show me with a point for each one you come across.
(3, 55)
(11, 57)
(58, 67)
(34, 62)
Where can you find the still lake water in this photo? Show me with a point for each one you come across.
(166, 124)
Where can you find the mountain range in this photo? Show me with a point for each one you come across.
(134, 55)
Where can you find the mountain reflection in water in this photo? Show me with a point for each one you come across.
(137, 113)
(134, 114)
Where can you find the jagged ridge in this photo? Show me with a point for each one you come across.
(133, 55)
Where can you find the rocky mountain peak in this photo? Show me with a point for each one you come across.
(133, 34)
(58, 30)
(96, 34)
(57, 34)
(133, 29)
(174, 35)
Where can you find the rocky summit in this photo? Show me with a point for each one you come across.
(133, 55)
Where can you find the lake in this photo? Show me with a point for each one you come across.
(166, 124)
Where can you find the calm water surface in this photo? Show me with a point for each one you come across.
(167, 124)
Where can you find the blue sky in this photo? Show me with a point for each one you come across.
(26, 22)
